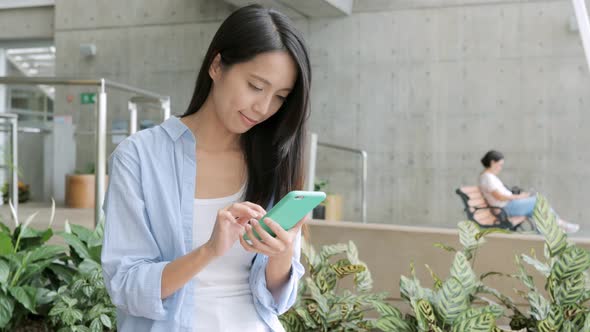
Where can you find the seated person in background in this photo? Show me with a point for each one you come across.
(497, 195)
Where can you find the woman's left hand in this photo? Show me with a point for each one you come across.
(280, 245)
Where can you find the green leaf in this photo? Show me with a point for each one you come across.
(25, 295)
(546, 222)
(106, 321)
(452, 300)
(489, 231)
(88, 265)
(540, 307)
(445, 247)
(46, 251)
(572, 261)
(317, 296)
(570, 290)
(4, 271)
(480, 323)
(333, 249)
(64, 273)
(467, 232)
(6, 309)
(6, 246)
(461, 269)
(83, 233)
(553, 322)
(424, 315)
(544, 269)
(96, 325)
(437, 281)
(44, 296)
(78, 246)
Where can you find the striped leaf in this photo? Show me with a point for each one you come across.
(310, 255)
(437, 281)
(546, 222)
(568, 327)
(574, 260)
(553, 322)
(495, 310)
(411, 289)
(362, 280)
(333, 249)
(570, 290)
(543, 268)
(342, 269)
(587, 323)
(468, 230)
(424, 315)
(480, 323)
(540, 307)
(523, 276)
(316, 294)
(461, 269)
(452, 300)
(391, 323)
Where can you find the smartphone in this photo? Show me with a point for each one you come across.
(290, 209)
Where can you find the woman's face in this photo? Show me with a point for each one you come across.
(248, 93)
(497, 166)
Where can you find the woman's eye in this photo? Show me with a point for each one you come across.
(282, 98)
(255, 87)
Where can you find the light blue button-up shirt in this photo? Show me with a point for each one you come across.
(149, 222)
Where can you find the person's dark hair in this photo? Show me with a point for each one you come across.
(492, 155)
(273, 149)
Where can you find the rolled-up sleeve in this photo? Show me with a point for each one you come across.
(131, 259)
(288, 295)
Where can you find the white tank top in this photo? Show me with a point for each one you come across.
(223, 297)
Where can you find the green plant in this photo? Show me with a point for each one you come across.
(322, 306)
(565, 270)
(320, 185)
(89, 169)
(449, 305)
(24, 192)
(83, 304)
(27, 280)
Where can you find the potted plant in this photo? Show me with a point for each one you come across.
(80, 188)
(319, 212)
(331, 207)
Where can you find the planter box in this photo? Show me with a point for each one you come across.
(80, 190)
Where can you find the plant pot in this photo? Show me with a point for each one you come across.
(80, 189)
(333, 205)
(319, 212)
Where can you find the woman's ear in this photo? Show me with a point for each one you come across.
(215, 68)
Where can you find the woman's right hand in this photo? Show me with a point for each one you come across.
(229, 226)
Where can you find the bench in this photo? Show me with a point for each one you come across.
(479, 211)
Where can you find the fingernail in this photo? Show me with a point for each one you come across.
(254, 222)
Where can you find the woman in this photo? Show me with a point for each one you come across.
(496, 194)
(182, 194)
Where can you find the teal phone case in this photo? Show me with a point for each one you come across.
(291, 208)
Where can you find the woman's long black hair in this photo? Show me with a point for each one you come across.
(273, 149)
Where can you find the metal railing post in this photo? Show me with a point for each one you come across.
(14, 124)
(132, 117)
(363, 155)
(101, 140)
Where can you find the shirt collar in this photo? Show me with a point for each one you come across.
(174, 127)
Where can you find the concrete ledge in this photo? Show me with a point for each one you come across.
(388, 251)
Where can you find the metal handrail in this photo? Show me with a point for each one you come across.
(101, 124)
(13, 118)
(314, 143)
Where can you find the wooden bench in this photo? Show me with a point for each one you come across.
(479, 211)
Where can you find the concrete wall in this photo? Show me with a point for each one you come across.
(26, 23)
(427, 91)
(425, 87)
